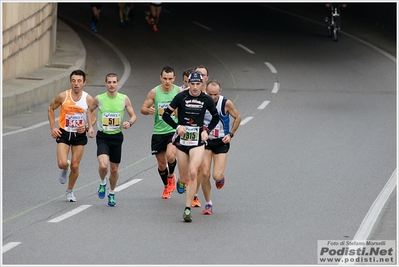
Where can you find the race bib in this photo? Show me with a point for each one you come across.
(161, 110)
(215, 132)
(111, 121)
(191, 137)
(72, 122)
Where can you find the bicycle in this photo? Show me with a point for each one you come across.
(334, 21)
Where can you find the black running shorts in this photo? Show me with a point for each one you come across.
(217, 146)
(159, 142)
(72, 139)
(111, 145)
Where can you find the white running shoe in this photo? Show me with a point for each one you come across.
(65, 173)
(70, 196)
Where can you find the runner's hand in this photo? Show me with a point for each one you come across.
(55, 132)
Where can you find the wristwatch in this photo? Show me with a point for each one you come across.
(87, 128)
(131, 123)
(231, 135)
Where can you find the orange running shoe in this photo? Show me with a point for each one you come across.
(154, 28)
(207, 210)
(166, 193)
(171, 183)
(195, 202)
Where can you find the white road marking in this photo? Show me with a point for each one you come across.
(126, 185)
(28, 128)
(246, 49)
(10, 245)
(70, 213)
(372, 215)
(247, 119)
(276, 87)
(271, 67)
(264, 104)
(203, 26)
(375, 209)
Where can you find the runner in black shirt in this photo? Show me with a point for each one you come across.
(191, 105)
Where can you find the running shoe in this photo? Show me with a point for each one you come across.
(187, 215)
(111, 200)
(166, 193)
(65, 173)
(151, 21)
(154, 28)
(101, 191)
(93, 26)
(147, 15)
(70, 196)
(195, 202)
(220, 184)
(180, 187)
(207, 210)
(123, 24)
(171, 183)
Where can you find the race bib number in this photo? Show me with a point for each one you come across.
(111, 121)
(191, 137)
(161, 110)
(72, 122)
(215, 132)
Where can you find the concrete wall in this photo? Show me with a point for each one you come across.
(29, 36)
(39, 53)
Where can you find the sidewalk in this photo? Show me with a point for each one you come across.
(45, 83)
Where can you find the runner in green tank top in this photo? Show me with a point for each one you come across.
(111, 109)
(161, 141)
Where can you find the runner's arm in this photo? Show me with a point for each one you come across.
(166, 116)
(148, 105)
(130, 111)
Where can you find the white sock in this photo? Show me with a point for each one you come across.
(209, 203)
(111, 192)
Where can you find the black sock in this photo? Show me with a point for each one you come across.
(164, 176)
(172, 166)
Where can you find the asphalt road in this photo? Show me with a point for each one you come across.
(316, 147)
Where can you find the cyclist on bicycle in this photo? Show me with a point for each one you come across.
(328, 10)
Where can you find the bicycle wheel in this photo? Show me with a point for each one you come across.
(335, 34)
(329, 31)
(336, 29)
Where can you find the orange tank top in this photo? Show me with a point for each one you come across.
(73, 113)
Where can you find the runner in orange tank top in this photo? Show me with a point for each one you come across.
(71, 134)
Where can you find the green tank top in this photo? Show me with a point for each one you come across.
(110, 113)
(161, 101)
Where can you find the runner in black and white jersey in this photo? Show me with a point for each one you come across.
(219, 142)
(191, 105)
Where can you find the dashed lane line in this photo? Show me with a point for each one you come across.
(203, 26)
(247, 119)
(264, 104)
(246, 48)
(126, 185)
(9, 246)
(69, 214)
